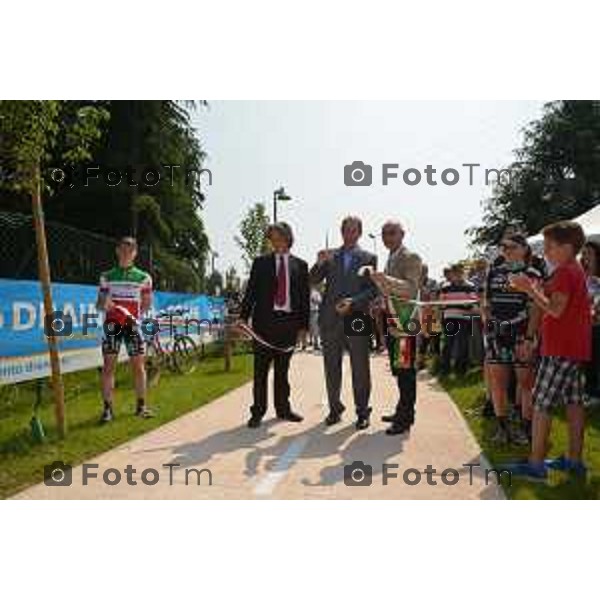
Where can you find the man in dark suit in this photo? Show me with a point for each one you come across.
(277, 301)
(346, 293)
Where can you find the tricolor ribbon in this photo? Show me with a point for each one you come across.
(245, 328)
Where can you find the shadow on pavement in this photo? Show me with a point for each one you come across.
(231, 440)
(372, 449)
(320, 445)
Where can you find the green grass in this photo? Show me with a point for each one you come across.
(22, 460)
(469, 393)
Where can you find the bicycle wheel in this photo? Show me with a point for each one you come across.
(169, 357)
(152, 363)
(184, 354)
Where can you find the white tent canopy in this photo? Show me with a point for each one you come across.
(590, 221)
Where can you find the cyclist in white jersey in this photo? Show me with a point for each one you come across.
(125, 294)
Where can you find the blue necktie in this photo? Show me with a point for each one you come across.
(347, 260)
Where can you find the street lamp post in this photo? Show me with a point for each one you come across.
(374, 238)
(279, 195)
(214, 256)
(210, 279)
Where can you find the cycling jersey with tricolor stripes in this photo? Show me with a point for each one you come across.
(125, 287)
(455, 292)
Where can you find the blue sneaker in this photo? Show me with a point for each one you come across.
(562, 463)
(529, 471)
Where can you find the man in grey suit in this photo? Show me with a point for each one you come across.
(346, 293)
(402, 277)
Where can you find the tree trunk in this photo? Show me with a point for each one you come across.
(44, 277)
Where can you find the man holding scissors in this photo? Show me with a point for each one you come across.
(346, 292)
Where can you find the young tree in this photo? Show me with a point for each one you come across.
(30, 132)
(252, 239)
(232, 281)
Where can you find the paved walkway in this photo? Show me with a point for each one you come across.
(288, 460)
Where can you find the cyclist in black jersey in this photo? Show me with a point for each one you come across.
(510, 325)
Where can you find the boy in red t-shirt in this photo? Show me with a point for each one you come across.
(566, 333)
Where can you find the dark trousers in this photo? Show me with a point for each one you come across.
(263, 358)
(593, 367)
(430, 344)
(456, 346)
(407, 387)
(282, 334)
(335, 342)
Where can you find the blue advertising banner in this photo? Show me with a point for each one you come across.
(23, 346)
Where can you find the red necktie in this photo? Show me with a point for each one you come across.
(281, 284)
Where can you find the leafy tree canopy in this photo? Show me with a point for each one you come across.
(131, 137)
(555, 175)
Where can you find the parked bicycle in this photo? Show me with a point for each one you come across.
(178, 354)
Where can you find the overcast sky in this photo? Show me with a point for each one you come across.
(255, 147)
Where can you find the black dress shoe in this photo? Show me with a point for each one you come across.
(362, 423)
(388, 418)
(291, 416)
(254, 422)
(397, 429)
(333, 418)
